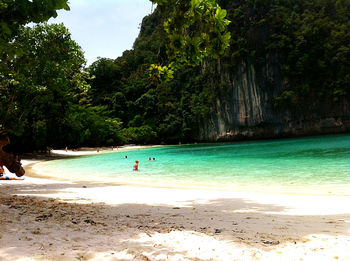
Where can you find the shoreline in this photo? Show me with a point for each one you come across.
(255, 189)
(46, 219)
(295, 189)
(247, 193)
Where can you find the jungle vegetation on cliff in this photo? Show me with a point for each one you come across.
(164, 89)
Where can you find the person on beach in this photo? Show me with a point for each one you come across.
(2, 170)
(136, 166)
(8, 178)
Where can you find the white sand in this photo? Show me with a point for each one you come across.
(93, 151)
(54, 220)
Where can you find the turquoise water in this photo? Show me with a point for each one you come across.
(320, 163)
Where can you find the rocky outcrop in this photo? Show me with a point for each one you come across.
(244, 107)
(12, 163)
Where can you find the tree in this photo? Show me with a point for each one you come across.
(49, 77)
(52, 106)
(195, 29)
(166, 111)
(38, 89)
(13, 16)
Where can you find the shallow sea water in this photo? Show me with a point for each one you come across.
(313, 165)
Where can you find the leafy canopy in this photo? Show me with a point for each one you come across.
(16, 13)
(195, 30)
(50, 106)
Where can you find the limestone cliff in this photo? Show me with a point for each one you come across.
(286, 72)
(244, 107)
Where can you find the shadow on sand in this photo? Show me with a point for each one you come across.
(35, 222)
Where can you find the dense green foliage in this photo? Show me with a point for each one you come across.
(49, 106)
(164, 89)
(14, 14)
(44, 98)
(195, 29)
(154, 111)
(311, 40)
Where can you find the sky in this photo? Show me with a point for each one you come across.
(104, 28)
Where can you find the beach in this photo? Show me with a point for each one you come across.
(44, 219)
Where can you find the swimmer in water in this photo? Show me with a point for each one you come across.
(136, 165)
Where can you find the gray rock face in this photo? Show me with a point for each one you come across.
(244, 107)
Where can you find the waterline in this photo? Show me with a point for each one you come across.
(314, 164)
